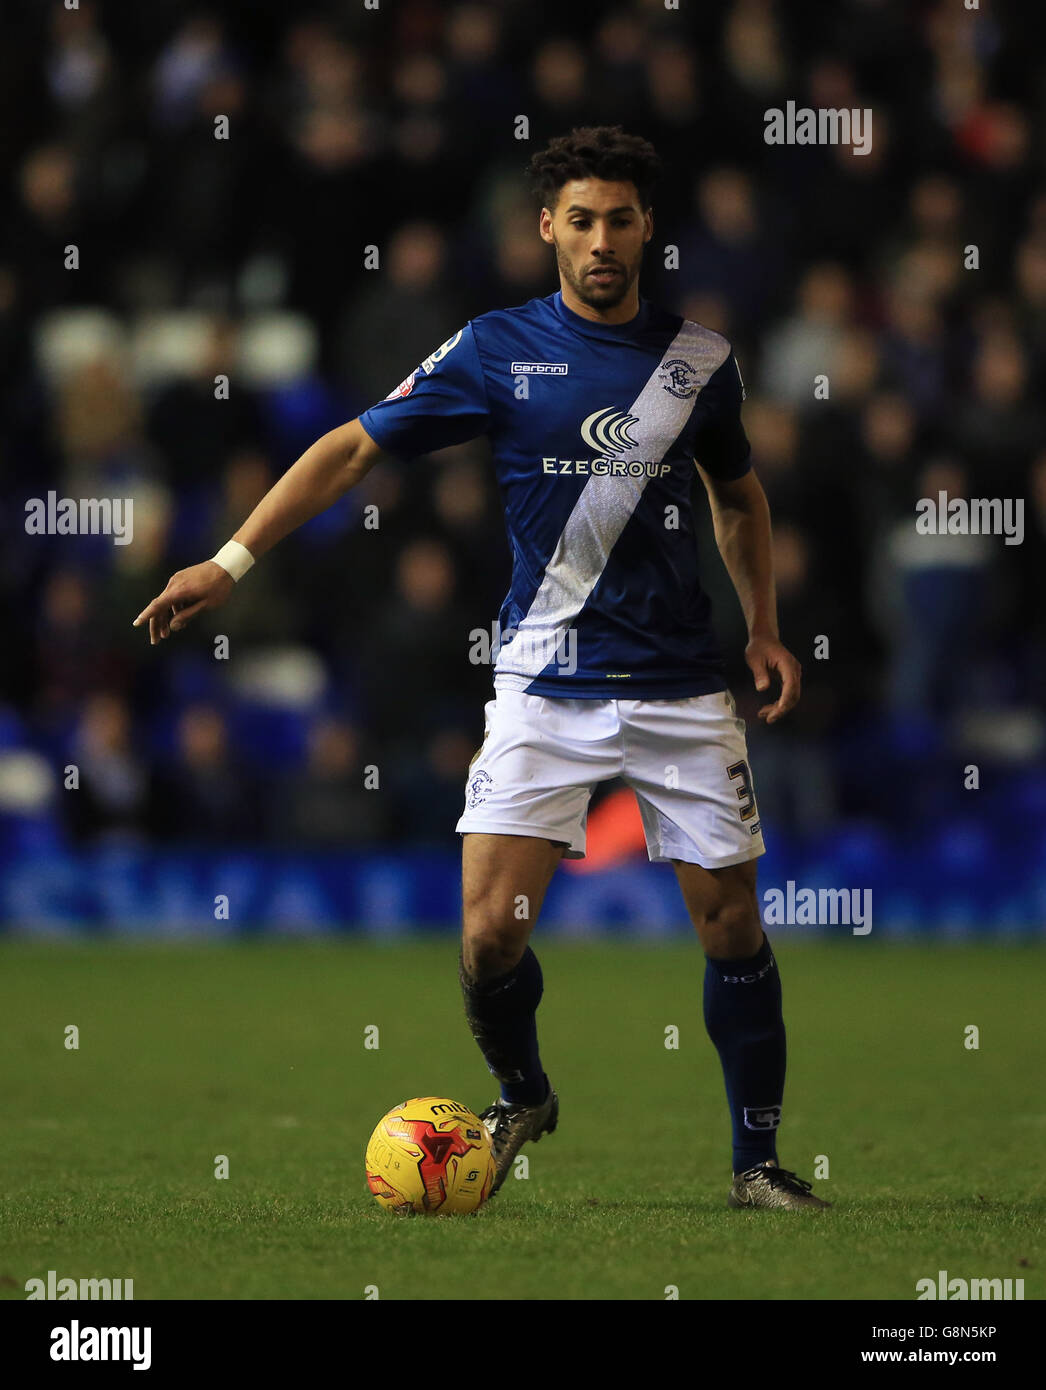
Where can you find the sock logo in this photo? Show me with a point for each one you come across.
(507, 1078)
(762, 1116)
(750, 979)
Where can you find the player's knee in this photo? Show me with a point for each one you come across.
(490, 953)
(730, 927)
(493, 941)
(494, 935)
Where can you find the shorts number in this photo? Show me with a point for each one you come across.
(738, 772)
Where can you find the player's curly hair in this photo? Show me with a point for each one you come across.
(594, 152)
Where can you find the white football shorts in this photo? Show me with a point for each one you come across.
(687, 761)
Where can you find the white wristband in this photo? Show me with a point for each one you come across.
(235, 559)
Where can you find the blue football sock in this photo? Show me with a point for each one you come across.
(743, 1018)
(502, 1015)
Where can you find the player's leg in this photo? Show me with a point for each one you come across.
(504, 878)
(526, 804)
(503, 884)
(742, 1002)
(687, 760)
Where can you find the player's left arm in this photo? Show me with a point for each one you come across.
(741, 517)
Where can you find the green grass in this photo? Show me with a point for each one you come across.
(256, 1051)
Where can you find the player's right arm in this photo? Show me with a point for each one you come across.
(443, 401)
(323, 474)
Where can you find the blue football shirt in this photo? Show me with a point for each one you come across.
(594, 430)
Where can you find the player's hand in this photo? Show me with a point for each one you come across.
(188, 592)
(767, 657)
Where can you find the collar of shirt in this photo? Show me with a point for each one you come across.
(601, 330)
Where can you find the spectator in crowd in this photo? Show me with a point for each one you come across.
(730, 254)
(336, 801)
(421, 633)
(111, 799)
(192, 429)
(796, 784)
(999, 428)
(427, 788)
(801, 352)
(404, 313)
(71, 660)
(935, 589)
(205, 796)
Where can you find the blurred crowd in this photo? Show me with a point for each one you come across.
(913, 277)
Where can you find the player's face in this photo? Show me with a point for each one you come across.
(599, 231)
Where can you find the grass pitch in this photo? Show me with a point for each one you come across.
(256, 1051)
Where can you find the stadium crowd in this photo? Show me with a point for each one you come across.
(396, 128)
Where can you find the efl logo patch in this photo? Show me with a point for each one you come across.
(762, 1117)
(405, 387)
(539, 369)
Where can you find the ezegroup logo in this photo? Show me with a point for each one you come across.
(607, 431)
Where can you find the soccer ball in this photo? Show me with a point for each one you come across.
(430, 1156)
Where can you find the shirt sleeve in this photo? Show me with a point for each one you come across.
(721, 446)
(442, 402)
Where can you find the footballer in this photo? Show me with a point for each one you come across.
(598, 406)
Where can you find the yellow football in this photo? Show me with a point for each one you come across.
(430, 1156)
